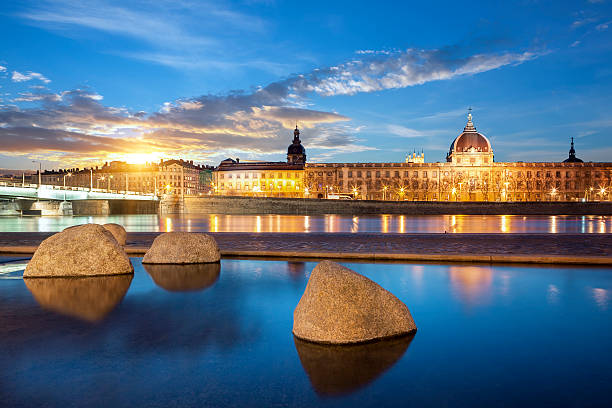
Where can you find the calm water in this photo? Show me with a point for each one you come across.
(326, 223)
(488, 336)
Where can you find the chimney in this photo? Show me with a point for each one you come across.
(237, 160)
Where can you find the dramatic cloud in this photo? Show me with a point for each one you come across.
(19, 77)
(75, 126)
(399, 70)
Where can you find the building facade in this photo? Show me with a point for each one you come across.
(468, 174)
(177, 177)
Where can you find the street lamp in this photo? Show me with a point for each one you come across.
(553, 192)
(98, 181)
(454, 192)
(39, 172)
(401, 193)
(506, 190)
(355, 192)
(66, 175)
(384, 192)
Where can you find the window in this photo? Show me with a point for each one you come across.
(416, 174)
(558, 174)
(220, 176)
(406, 174)
(397, 174)
(350, 174)
(424, 174)
(458, 159)
(340, 174)
(359, 174)
(568, 174)
(387, 174)
(368, 174)
(434, 174)
(378, 174)
(486, 159)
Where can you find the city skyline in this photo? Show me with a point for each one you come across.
(200, 81)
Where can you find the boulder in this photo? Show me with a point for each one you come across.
(118, 232)
(339, 306)
(182, 248)
(83, 250)
(336, 370)
(89, 299)
(183, 278)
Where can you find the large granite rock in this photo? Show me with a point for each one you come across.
(182, 248)
(83, 250)
(335, 370)
(183, 278)
(340, 306)
(118, 232)
(88, 299)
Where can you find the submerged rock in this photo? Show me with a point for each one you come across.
(341, 369)
(118, 232)
(89, 299)
(340, 306)
(83, 250)
(182, 248)
(182, 278)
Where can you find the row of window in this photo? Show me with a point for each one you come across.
(288, 175)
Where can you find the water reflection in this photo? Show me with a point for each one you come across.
(88, 299)
(331, 223)
(471, 284)
(183, 278)
(340, 370)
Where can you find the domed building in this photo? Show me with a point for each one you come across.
(572, 155)
(296, 154)
(470, 147)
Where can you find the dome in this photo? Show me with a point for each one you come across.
(296, 149)
(470, 140)
(467, 140)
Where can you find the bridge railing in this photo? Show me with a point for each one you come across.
(73, 188)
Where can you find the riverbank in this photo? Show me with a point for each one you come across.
(300, 206)
(594, 249)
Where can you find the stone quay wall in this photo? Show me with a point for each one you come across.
(112, 207)
(250, 205)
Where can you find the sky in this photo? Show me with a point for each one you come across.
(82, 83)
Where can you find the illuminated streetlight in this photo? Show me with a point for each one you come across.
(66, 175)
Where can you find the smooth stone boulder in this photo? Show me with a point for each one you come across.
(89, 299)
(182, 248)
(118, 232)
(336, 370)
(83, 250)
(340, 306)
(183, 278)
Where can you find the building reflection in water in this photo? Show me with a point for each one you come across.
(355, 225)
(339, 223)
(296, 269)
(336, 370)
(553, 294)
(601, 297)
(471, 284)
(89, 299)
(184, 278)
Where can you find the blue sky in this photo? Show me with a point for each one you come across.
(86, 82)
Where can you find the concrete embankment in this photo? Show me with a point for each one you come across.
(250, 205)
(563, 249)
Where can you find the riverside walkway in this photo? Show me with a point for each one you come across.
(594, 249)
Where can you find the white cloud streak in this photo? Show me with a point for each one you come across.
(19, 77)
(400, 70)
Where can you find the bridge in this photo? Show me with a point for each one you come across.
(55, 193)
(32, 199)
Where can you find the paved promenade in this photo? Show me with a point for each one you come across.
(521, 248)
